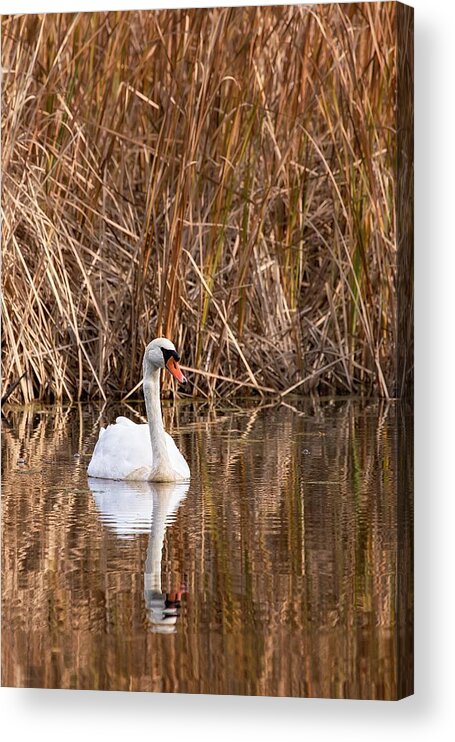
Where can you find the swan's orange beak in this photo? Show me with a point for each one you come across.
(174, 369)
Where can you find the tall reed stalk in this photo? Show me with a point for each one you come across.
(225, 177)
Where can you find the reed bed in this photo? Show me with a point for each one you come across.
(223, 177)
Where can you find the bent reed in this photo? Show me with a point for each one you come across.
(223, 177)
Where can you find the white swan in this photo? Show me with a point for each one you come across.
(144, 452)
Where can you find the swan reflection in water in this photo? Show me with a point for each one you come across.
(132, 508)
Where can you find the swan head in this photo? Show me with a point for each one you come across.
(161, 353)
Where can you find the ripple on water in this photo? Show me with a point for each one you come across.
(273, 572)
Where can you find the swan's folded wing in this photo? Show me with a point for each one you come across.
(126, 422)
(121, 449)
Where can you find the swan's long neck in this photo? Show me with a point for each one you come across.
(151, 386)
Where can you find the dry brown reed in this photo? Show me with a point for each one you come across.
(224, 177)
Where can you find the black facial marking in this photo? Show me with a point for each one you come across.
(169, 354)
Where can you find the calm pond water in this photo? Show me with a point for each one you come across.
(284, 567)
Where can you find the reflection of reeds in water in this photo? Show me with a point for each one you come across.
(226, 177)
(297, 566)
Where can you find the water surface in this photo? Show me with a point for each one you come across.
(283, 568)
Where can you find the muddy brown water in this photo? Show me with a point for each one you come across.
(283, 568)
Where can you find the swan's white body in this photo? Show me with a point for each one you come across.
(141, 452)
(124, 451)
